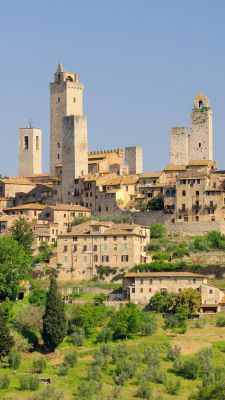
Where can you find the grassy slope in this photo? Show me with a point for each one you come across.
(191, 342)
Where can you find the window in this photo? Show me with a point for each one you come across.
(150, 281)
(95, 258)
(126, 188)
(95, 247)
(125, 238)
(105, 247)
(141, 281)
(114, 237)
(210, 291)
(74, 99)
(198, 181)
(58, 99)
(197, 193)
(58, 145)
(133, 290)
(125, 247)
(105, 238)
(141, 290)
(65, 248)
(37, 142)
(74, 238)
(105, 258)
(124, 258)
(200, 104)
(75, 248)
(150, 290)
(26, 142)
(107, 208)
(199, 145)
(179, 290)
(183, 193)
(65, 259)
(99, 209)
(58, 156)
(115, 247)
(85, 247)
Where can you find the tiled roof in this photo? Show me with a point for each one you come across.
(175, 168)
(68, 207)
(151, 174)
(31, 206)
(163, 274)
(130, 179)
(17, 180)
(200, 163)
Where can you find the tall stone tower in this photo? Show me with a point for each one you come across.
(200, 147)
(74, 154)
(134, 159)
(30, 151)
(179, 146)
(66, 98)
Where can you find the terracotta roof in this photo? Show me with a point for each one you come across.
(68, 207)
(192, 174)
(152, 174)
(17, 180)
(163, 274)
(36, 175)
(200, 162)
(201, 96)
(222, 301)
(130, 179)
(31, 206)
(175, 168)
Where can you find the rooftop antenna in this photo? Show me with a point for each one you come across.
(30, 123)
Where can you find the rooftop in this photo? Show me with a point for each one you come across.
(163, 274)
(29, 206)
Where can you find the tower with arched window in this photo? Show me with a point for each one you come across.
(201, 146)
(66, 99)
(30, 151)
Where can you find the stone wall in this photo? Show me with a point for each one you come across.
(179, 138)
(30, 151)
(134, 160)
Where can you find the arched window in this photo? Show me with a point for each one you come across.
(58, 145)
(69, 79)
(200, 103)
(59, 78)
(37, 142)
(26, 142)
(95, 258)
(168, 193)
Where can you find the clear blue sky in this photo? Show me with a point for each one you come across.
(141, 61)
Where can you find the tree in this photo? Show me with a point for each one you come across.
(14, 267)
(126, 321)
(45, 251)
(54, 319)
(6, 340)
(190, 298)
(158, 231)
(38, 295)
(162, 301)
(148, 324)
(156, 203)
(22, 234)
(14, 359)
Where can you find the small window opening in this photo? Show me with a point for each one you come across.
(37, 143)
(26, 142)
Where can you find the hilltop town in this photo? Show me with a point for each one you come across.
(97, 253)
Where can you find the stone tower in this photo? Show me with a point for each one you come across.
(30, 151)
(74, 154)
(179, 146)
(200, 147)
(134, 159)
(66, 98)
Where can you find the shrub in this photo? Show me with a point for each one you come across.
(4, 381)
(50, 393)
(38, 295)
(71, 359)
(33, 383)
(205, 361)
(14, 359)
(220, 321)
(104, 336)
(161, 256)
(63, 370)
(156, 203)
(152, 358)
(24, 382)
(158, 231)
(190, 369)
(95, 373)
(173, 352)
(172, 387)
(78, 337)
(86, 390)
(144, 390)
(39, 365)
(148, 324)
(21, 344)
(154, 245)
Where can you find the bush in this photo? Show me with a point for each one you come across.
(78, 337)
(152, 358)
(14, 359)
(63, 369)
(205, 361)
(95, 373)
(158, 231)
(172, 387)
(173, 352)
(154, 245)
(39, 365)
(38, 295)
(50, 393)
(161, 256)
(71, 359)
(24, 382)
(156, 203)
(148, 324)
(33, 383)
(190, 369)
(86, 390)
(220, 321)
(4, 381)
(104, 336)
(144, 390)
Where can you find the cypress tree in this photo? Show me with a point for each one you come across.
(54, 318)
(6, 340)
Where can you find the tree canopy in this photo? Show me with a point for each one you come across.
(22, 234)
(14, 267)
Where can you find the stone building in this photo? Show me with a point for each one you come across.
(30, 151)
(66, 99)
(195, 144)
(90, 245)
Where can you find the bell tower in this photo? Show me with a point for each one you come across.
(30, 151)
(66, 98)
(201, 146)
